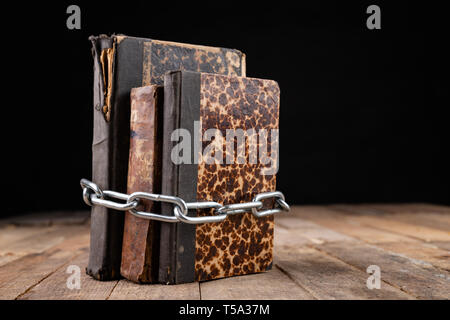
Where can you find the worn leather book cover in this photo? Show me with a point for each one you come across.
(140, 246)
(198, 103)
(120, 64)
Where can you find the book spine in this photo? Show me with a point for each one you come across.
(117, 69)
(167, 261)
(140, 248)
(181, 110)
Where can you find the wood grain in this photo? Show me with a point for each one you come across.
(350, 225)
(127, 290)
(413, 229)
(264, 286)
(321, 252)
(36, 242)
(22, 274)
(410, 214)
(411, 276)
(321, 274)
(415, 277)
(329, 278)
(55, 286)
(11, 236)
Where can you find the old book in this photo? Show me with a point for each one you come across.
(140, 241)
(109, 165)
(120, 64)
(197, 103)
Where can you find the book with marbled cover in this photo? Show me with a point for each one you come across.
(242, 243)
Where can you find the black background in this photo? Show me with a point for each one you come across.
(364, 113)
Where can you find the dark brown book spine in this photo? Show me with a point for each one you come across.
(117, 69)
(140, 248)
(167, 261)
(181, 109)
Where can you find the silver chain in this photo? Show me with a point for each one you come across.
(93, 195)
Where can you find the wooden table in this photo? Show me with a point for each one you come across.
(321, 252)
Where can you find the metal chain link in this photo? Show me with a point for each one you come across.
(93, 195)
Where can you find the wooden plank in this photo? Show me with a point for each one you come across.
(36, 242)
(283, 240)
(445, 245)
(329, 278)
(127, 290)
(18, 276)
(410, 214)
(323, 276)
(349, 225)
(308, 230)
(400, 208)
(425, 253)
(320, 252)
(370, 217)
(414, 277)
(422, 281)
(9, 234)
(55, 286)
(366, 216)
(431, 207)
(273, 284)
(417, 215)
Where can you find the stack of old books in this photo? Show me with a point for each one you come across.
(163, 113)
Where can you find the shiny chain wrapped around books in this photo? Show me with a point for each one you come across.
(93, 195)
